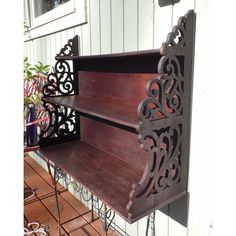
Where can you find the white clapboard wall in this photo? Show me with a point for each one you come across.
(128, 25)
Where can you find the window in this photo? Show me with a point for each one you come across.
(48, 16)
(43, 6)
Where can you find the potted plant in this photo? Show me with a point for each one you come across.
(34, 79)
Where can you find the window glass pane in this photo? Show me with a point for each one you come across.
(43, 6)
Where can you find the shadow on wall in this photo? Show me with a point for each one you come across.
(164, 3)
(178, 210)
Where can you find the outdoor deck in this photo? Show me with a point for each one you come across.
(41, 207)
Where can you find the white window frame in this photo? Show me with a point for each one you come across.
(64, 16)
(60, 11)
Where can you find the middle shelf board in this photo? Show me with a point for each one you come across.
(104, 175)
(118, 113)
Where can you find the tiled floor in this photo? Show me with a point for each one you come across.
(41, 207)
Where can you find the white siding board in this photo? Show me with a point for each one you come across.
(41, 50)
(78, 31)
(85, 39)
(70, 33)
(26, 49)
(181, 8)
(162, 222)
(64, 38)
(130, 25)
(120, 222)
(199, 184)
(58, 42)
(86, 33)
(105, 21)
(53, 49)
(131, 229)
(37, 55)
(33, 51)
(48, 50)
(162, 23)
(141, 226)
(95, 27)
(117, 25)
(44, 50)
(30, 50)
(34, 54)
(145, 24)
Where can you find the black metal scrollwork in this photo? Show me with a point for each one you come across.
(107, 215)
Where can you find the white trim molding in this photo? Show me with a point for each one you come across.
(68, 15)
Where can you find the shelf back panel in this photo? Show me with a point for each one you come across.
(140, 62)
(123, 88)
(119, 142)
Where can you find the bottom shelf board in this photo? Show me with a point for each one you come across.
(104, 175)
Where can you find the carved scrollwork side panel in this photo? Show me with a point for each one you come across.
(61, 82)
(164, 124)
(165, 94)
(61, 123)
(164, 149)
(70, 49)
(165, 98)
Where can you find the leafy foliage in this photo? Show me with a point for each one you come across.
(34, 77)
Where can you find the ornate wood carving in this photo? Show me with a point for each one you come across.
(64, 122)
(164, 123)
(70, 49)
(60, 82)
(61, 123)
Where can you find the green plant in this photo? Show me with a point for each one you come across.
(34, 77)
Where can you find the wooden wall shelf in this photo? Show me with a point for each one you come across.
(120, 123)
(99, 171)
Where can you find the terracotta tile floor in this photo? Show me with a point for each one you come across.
(41, 207)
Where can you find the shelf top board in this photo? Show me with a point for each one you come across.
(118, 113)
(129, 62)
(104, 175)
(143, 53)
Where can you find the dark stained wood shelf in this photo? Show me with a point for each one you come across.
(134, 173)
(118, 113)
(97, 171)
